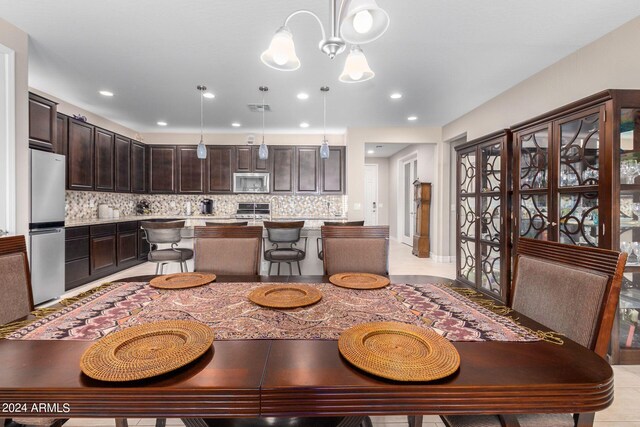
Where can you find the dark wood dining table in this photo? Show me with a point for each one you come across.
(271, 378)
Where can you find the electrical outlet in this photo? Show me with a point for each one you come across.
(92, 204)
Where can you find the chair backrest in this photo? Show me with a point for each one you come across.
(163, 232)
(225, 224)
(232, 250)
(15, 288)
(283, 232)
(361, 249)
(571, 289)
(344, 223)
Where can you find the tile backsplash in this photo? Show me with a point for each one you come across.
(84, 204)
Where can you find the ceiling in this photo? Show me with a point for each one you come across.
(383, 150)
(446, 57)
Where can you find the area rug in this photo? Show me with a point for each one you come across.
(225, 307)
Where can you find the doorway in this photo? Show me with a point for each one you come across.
(408, 174)
(371, 202)
(7, 141)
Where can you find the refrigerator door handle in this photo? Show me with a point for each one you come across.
(45, 231)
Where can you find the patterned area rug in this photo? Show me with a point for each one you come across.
(225, 307)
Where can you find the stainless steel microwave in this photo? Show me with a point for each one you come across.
(250, 182)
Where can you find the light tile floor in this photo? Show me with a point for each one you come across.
(624, 412)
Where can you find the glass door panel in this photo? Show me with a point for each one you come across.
(578, 223)
(534, 160)
(580, 151)
(468, 172)
(490, 219)
(534, 216)
(468, 260)
(490, 269)
(467, 214)
(490, 167)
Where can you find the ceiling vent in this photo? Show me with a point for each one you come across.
(258, 108)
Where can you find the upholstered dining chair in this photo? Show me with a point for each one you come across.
(228, 249)
(167, 232)
(362, 249)
(284, 238)
(337, 224)
(572, 290)
(225, 224)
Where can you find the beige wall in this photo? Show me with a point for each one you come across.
(383, 187)
(239, 139)
(18, 41)
(611, 62)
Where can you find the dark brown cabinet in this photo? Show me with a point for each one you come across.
(422, 206)
(123, 164)
(102, 246)
(332, 172)
(62, 132)
(162, 169)
(282, 178)
(80, 158)
(104, 163)
(77, 266)
(219, 168)
(127, 243)
(138, 167)
(191, 170)
(42, 123)
(307, 167)
(248, 160)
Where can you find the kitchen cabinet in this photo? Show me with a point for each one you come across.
(191, 170)
(77, 266)
(219, 169)
(42, 123)
(80, 158)
(307, 168)
(127, 243)
(62, 132)
(332, 172)
(102, 247)
(138, 167)
(123, 164)
(283, 176)
(104, 162)
(248, 160)
(162, 169)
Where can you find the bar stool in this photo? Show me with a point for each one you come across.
(284, 236)
(166, 233)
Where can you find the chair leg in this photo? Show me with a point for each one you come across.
(415, 420)
(186, 267)
(121, 422)
(299, 270)
(290, 271)
(270, 264)
(157, 269)
(181, 267)
(279, 268)
(584, 419)
(161, 422)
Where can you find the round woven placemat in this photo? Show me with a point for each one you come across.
(147, 350)
(399, 351)
(359, 280)
(182, 280)
(285, 296)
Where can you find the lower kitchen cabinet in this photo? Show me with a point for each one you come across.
(77, 270)
(103, 248)
(127, 243)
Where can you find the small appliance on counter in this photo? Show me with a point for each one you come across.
(142, 208)
(206, 207)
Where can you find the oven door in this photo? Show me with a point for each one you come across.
(250, 182)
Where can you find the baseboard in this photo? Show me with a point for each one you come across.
(440, 258)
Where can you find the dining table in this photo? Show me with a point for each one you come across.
(306, 377)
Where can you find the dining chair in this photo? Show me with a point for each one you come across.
(228, 249)
(337, 224)
(225, 224)
(573, 290)
(362, 249)
(284, 238)
(167, 232)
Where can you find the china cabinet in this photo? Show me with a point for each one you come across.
(422, 206)
(483, 214)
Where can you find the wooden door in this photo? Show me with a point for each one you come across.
(42, 123)
(332, 172)
(282, 178)
(219, 166)
(162, 169)
(62, 132)
(123, 164)
(258, 164)
(138, 167)
(103, 253)
(307, 167)
(190, 170)
(80, 159)
(243, 159)
(104, 163)
(127, 247)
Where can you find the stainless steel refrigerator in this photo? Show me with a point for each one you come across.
(46, 225)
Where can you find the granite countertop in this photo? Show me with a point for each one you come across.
(314, 222)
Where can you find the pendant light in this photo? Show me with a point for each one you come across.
(263, 151)
(324, 148)
(201, 152)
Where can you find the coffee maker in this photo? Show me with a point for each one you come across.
(206, 207)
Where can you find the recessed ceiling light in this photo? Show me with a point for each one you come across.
(208, 95)
(412, 118)
(105, 93)
(303, 95)
(304, 125)
(370, 151)
(161, 123)
(395, 95)
(235, 124)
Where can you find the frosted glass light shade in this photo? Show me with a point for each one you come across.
(364, 21)
(324, 149)
(356, 67)
(263, 151)
(201, 151)
(281, 54)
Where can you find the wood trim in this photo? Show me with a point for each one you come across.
(355, 232)
(17, 244)
(239, 231)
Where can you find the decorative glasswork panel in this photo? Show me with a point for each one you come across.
(490, 219)
(468, 172)
(579, 219)
(467, 214)
(491, 161)
(490, 273)
(534, 216)
(629, 311)
(534, 160)
(468, 260)
(580, 151)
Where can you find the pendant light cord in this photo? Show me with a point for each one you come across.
(201, 117)
(324, 117)
(263, 107)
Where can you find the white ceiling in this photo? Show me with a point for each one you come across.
(446, 57)
(382, 150)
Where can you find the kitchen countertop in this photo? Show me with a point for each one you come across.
(315, 222)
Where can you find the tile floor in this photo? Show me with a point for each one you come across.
(625, 411)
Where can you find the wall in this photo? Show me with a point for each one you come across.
(239, 139)
(17, 40)
(383, 187)
(610, 62)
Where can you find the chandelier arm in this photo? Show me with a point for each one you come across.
(308, 12)
(338, 18)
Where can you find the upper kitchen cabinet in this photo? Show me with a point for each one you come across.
(42, 123)
(104, 163)
(248, 160)
(138, 167)
(307, 170)
(80, 159)
(219, 169)
(332, 172)
(162, 168)
(62, 132)
(123, 164)
(190, 170)
(282, 178)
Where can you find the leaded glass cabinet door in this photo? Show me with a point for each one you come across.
(467, 216)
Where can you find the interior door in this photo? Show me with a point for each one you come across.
(371, 194)
(408, 174)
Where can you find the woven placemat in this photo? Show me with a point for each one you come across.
(182, 280)
(399, 351)
(359, 280)
(285, 296)
(147, 350)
